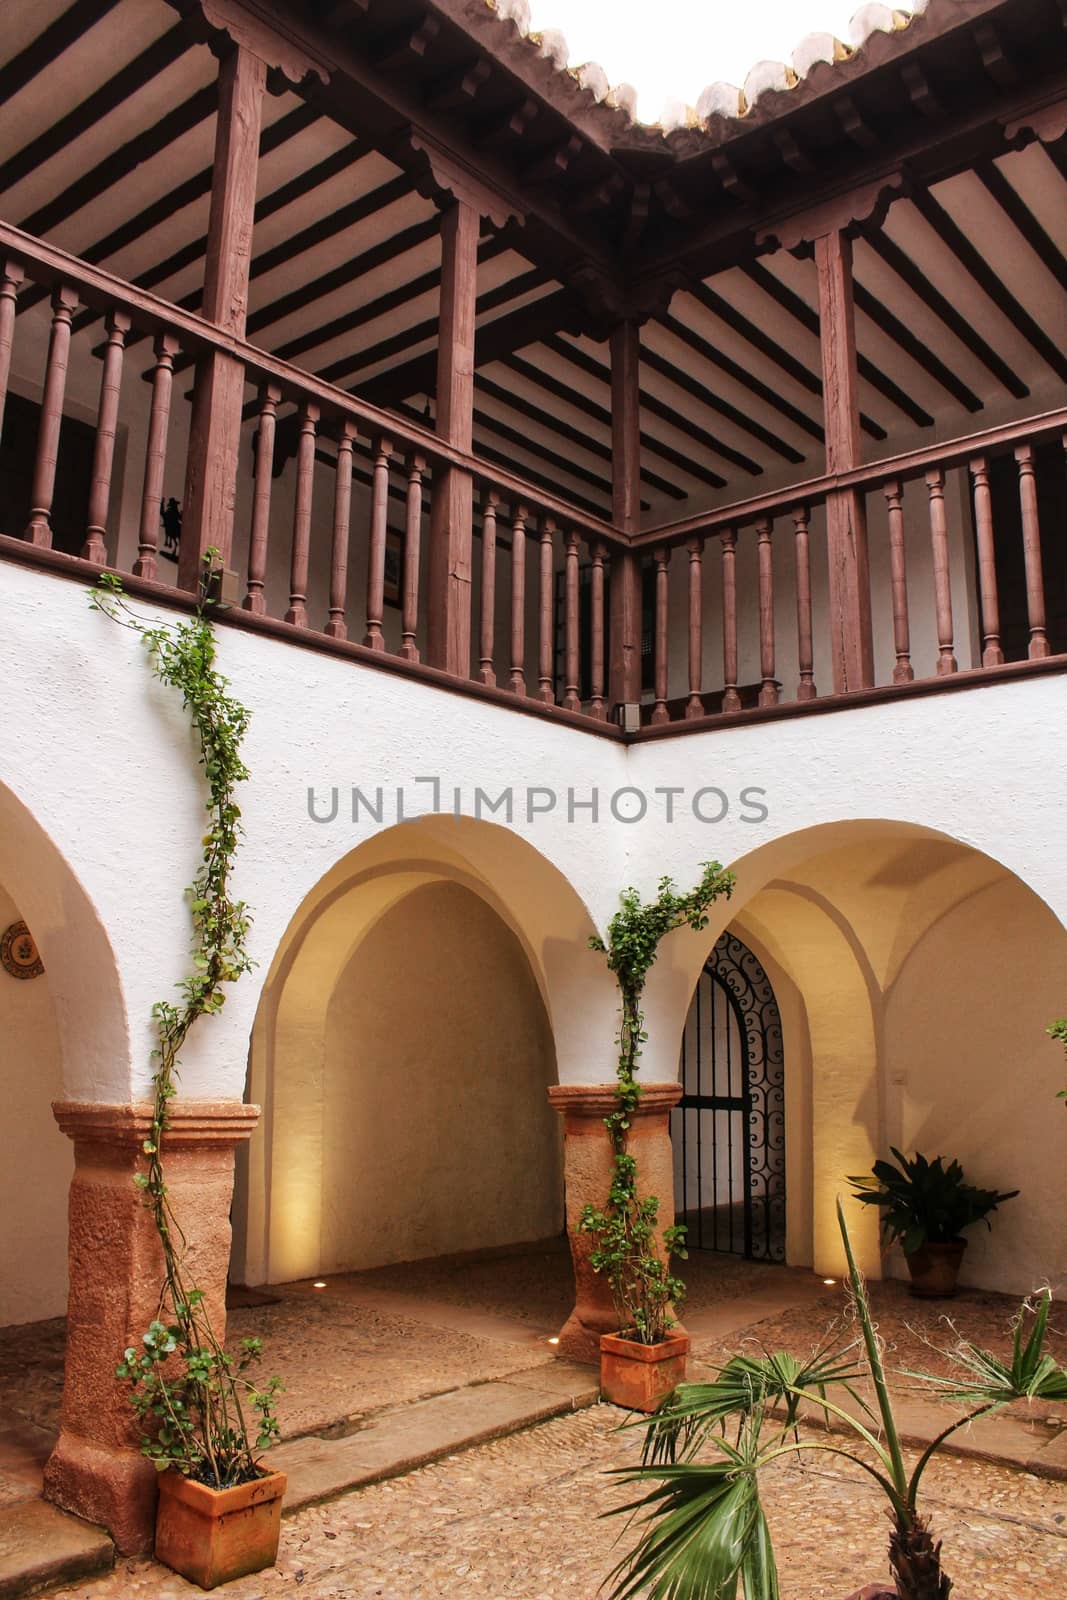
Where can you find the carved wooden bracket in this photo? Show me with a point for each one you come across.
(1047, 124)
(844, 213)
(609, 301)
(245, 23)
(446, 179)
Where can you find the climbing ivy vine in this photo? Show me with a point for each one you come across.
(188, 1390)
(624, 1233)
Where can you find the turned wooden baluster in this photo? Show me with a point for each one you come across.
(768, 694)
(662, 560)
(898, 577)
(597, 707)
(305, 488)
(155, 456)
(107, 416)
(572, 699)
(409, 590)
(1035, 582)
(992, 653)
(935, 487)
(731, 700)
(487, 635)
(517, 677)
(545, 689)
(336, 627)
(694, 706)
(805, 649)
(269, 400)
(39, 528)
(12, 277)
(379, 524)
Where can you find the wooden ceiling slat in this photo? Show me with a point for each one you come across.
(551, 458)
(717, 358)
(649, 403)
(972, 260)
(880, 314)
(159, 55)
(1019, 214)
(553, 423)
(118, 164)
(60, 34)
(768, 347)
(905, 268)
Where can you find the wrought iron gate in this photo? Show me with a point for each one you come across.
(729, 1127)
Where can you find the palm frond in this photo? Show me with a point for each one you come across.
(983, 1379)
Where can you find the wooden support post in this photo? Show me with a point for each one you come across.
(935, 488)
(218, 389)
(572, 700)
(39, 528)
(305, 489)
(624, 673)
(379, 530)
(731, 700)
(992, 652)
(694, 706)
(336, 627)
(546, 691)
(95, 547)
(452, 509)
(846, 510)
(517, 675)
(487, 638)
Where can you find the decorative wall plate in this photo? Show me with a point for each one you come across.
(18, 952)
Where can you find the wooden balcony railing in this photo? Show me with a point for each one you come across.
(740, 626)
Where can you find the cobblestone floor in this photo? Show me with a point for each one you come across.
(519, 1519)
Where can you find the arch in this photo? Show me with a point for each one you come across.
(62, 1034)
(358, 903)
(891, 943)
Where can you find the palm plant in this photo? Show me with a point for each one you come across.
(703, 1526)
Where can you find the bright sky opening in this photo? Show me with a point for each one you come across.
(671, 50)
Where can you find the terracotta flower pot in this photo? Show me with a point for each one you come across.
(934, 1268)
(637, 1376)
(213, 1535)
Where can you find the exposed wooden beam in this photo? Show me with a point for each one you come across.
(1019, 214)
(974, 262)
(175, 200)
(566, 464)
(460, 88)
(553, 423)
(398, 49)
(649, 403)
(1000, 67)
(919, 351)
(714, 402)
(854, 125)
(747, 380)
(48, 46)
(118, 164)
(783, 359)
(159, 55)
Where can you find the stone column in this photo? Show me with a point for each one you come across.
(116, 1269)
(587, 1157)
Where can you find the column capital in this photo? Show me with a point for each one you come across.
(212, 1123)
(598, 1100)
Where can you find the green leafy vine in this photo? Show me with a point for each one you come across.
(192, 1395)
(1058, 1031)
(624, 1234)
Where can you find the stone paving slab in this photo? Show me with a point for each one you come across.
(41, 1545)
(398, 1441)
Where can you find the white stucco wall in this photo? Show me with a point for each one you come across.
(100, 757)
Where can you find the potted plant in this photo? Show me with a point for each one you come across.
(703, 1526)
(645, 1359)
(926, 1205)
(219, 1510)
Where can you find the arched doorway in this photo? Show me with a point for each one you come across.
(728, 1130)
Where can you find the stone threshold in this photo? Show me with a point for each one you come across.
(41, 1546)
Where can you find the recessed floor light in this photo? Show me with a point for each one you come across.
(320, 1283)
